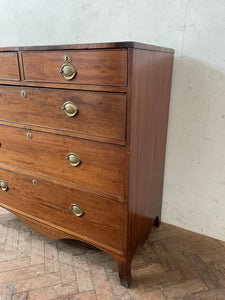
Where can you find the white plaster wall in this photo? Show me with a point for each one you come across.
(194, 191)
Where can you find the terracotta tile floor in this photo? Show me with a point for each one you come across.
(173, 264)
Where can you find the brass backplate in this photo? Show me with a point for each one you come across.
(76, 210)
(73, 159)
(68, 71)
(70, 109)
(3, 186)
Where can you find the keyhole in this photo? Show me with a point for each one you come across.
(67, 58)
(23, 94)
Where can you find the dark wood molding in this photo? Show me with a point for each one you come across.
(89, 46)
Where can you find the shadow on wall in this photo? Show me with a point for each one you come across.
(195, 163)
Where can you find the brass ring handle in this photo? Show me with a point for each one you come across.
(76, 210)
(73, 159)
(68, 71)
(70, 109)
(3, 185)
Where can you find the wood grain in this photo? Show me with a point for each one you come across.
(101, 165)
(9, 68)
(100, 114)
(150, 82)
(71, 86)
(108, 67)
(102, 219)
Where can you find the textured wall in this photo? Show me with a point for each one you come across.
(194, 191)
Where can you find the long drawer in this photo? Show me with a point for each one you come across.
(98, 67)
(92, 113)
(9, 67)
(94, 217)
(101, 165)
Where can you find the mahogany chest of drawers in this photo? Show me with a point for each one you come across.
(82, 141)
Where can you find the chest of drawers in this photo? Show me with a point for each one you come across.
(82, 141)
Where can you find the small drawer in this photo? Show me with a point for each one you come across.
(94, 165)
(97, 67)
(90, 113)
(9, 68)
(94, 217)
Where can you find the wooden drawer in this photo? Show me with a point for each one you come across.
(9, 68)
(99, 67)
(99, 114)
(101, 168)
(102, 219)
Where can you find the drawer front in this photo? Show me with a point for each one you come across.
(101, 168)
(102, 219)
(99, 67)
(9, 68)
(101, 114)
